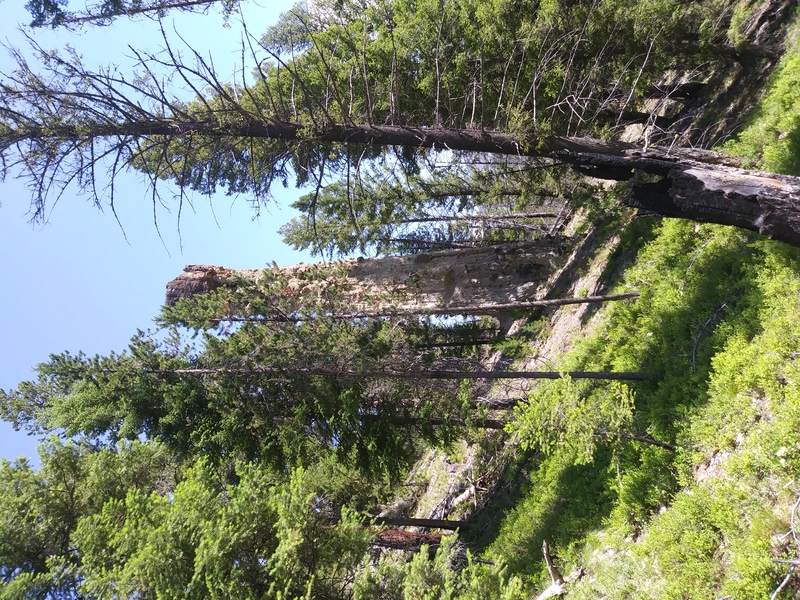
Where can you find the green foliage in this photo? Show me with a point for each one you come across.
(772, 138)
(519, 345)
(562, 501)
(269, 386)
(49, 13)
(282, 386)
(388, 211)
(743, 11)
(252, 540)
(40, 510)
(566, 415)
(448, 573)
(714, 326)
(126, 522)
(714, 541)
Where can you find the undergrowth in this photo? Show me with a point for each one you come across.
(772, 138)
(682, 485)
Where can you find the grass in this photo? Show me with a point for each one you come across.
(772, 138)
(718, 327)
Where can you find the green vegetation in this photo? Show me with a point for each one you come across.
(715, 325)
(249, 447)
(772, 137)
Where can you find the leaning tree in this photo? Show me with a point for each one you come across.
(381, 90)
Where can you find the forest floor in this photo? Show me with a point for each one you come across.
(713, 518)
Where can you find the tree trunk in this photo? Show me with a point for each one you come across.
(482, 217)
(765, 203)
(410, 375)
(480, 423)
(695, 184)
(429, 244)
(428, 523)
(445, 524)
(464, 281)
(394, 311)
(409, 541)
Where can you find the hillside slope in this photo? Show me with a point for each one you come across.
(685, 485)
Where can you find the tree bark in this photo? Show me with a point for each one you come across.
(429, 523)
(694, 183)
(409, 541)
(333, 372)
(467, 140)
(445, 524)
(480, 423)
(393, 311)
(472, 281)
(766, 203)
(483, 217)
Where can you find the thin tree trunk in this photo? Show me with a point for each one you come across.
(409, 541)
(468, 218)
(429, 523)
(461, 344)
(406, 421)
(430, 243)
(486, 309)
(493, 375)
(445, 524)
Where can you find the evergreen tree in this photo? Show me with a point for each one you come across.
(343, 94)
(40, 510)
(451, 205)
(53, 13)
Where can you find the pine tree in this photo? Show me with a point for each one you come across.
(333, 97)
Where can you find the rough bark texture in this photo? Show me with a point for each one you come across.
(407, 540)
(474, 309)
(699, 185)
(766, 203)
(457, 280)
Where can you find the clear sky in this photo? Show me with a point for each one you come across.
(75, 283)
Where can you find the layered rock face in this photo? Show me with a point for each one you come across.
(466, 281)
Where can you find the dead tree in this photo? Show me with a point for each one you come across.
(469, 281)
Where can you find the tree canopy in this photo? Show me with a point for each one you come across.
(250, 446)
(331, 97)
(50, 13)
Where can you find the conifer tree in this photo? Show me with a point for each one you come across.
(331, 97)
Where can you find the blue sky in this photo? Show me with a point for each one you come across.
(76, 283)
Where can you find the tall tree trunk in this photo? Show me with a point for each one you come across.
(694, 183)
(410, 375)
(482, 217)
(461, 281)
(766, 203)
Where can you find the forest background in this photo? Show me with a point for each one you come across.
(85, 281)
(266, 461)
